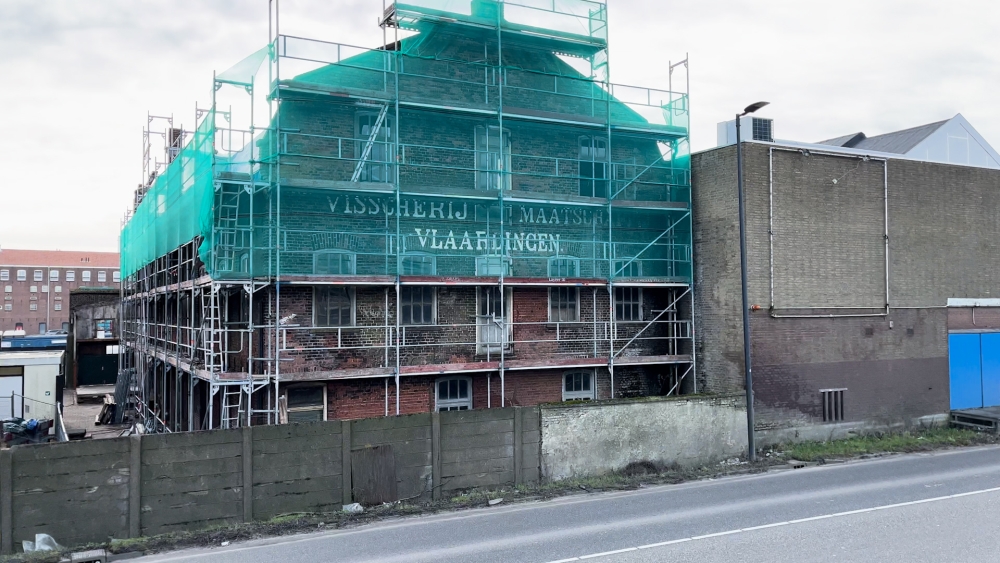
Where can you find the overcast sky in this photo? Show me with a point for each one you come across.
(79, 77)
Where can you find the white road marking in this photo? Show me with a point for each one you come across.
(776, 524)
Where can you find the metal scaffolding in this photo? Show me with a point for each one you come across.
(288, 198)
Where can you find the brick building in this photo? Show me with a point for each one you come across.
(470, 217)
(867, 258)
(36, 285)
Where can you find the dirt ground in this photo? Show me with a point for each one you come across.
(82, 415)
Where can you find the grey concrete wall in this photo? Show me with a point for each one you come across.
(75, 491)
(191, 480)
(829, 259)
(591, 439)
(297, 468)
(83, 492)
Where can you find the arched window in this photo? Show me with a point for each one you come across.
(333, 263)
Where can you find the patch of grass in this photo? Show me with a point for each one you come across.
(887, 442)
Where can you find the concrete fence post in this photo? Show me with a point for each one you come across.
(6, 502)
(135, 486)
(347, 484)
(518, 445)
(435, 455)
(248, 474)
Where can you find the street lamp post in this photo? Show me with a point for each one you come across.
(747, 366)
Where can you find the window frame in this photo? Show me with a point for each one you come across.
(593, 178)
(488, 262)
(324, 406)
(8, 306)
(407, 319)
(315, 306)
(53, 275)
(38, 275)
(71, 275)
(575, 308)
(447, 404)
(116, 276)
(33, 306)
(361, 140)
(352, 261)
(412, 257)
(102, 276)
(22, 275)
(637, 302)
(85, 276)
(4, 275)
(583, 394)
(567, 260)
(57, 306)
(483, 173)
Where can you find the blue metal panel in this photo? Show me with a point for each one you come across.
(965, 371)
(990, 355)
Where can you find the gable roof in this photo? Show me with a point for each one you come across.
(897, 142)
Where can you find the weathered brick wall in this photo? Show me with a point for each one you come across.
(366, 398)
(829, 252)
(308, 348)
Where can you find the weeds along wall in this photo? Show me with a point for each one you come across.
(488, 143)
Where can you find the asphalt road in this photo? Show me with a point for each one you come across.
(923, 507)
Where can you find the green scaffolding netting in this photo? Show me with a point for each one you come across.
(177, 208)
(392, 161)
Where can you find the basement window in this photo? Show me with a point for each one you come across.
(453, 394)
(306, 403)
(833, 404)
(578, 386)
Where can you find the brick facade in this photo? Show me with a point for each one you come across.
(829, 259)
(61, 272)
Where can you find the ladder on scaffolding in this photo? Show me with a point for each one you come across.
(227, 225)
(232, 406)
(213, 336)
(367, 151)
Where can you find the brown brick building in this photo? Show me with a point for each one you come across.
(36, 285)
(866, 265)
(471, 217)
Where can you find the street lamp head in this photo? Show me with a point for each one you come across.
(753, 107)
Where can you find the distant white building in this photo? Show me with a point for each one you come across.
(952, 141)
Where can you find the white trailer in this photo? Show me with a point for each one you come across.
(28, 383)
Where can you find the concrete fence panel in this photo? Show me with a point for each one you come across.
(297, 468)
(591, 439)
(477, 448)
(410, 439)
(191, 480)
(75, 491)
